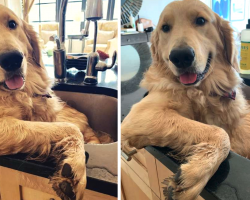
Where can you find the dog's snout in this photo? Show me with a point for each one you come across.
(11, 61)
(182, 57)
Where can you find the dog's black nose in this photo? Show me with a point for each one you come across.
(11, 61)
(182, 57)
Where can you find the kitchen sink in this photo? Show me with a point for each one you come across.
(101, 111)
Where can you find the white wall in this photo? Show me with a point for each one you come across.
(240, 25)
(152, 9)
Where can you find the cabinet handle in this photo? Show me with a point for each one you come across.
(128, 155)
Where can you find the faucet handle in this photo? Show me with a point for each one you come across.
(113, 60)
(101, 66)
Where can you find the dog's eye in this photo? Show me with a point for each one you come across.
(200, 21)
(165, 28)
(12, 24)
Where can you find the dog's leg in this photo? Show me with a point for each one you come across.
(153, 122)
(70, 178)
(61, 140)
(68, 114)
(240, 137)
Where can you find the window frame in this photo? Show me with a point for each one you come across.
(110, 10)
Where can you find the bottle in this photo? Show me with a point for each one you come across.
(132, 20)
(140, 25)
(245, 50)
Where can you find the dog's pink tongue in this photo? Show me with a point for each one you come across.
(15, 82)
(188, 78)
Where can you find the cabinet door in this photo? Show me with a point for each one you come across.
(92, 195)
(133, 186)
(16, 185)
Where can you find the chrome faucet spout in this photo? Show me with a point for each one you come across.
(62, 19)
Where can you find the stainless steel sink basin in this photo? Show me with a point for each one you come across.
(101, 111)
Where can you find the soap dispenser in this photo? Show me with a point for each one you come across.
(245, 50)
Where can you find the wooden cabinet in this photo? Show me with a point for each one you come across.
(133, 187)
(135, 178)
(16, 185)
(142, 177)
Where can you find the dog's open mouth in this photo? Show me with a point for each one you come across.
(192, 78)
(14, 83)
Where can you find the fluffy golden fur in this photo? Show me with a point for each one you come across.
(33, 124)
(196, 121)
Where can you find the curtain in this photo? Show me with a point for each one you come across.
(27, 5)
(4, 2)
(14, 5)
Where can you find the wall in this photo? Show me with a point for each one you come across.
(152, 9)
(240, 25)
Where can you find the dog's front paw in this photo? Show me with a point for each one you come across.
(66, 186)
(69, 181)
(187, 183)
(176, 190)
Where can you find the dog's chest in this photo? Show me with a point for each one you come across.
(35, 109)
(219, 111)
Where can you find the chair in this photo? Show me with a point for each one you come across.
(111, 45)
(46, 30)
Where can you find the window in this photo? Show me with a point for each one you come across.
(116, 10)
(73, 8)
(43, 11)
(110, 9)
(48, 11)
(105, 8)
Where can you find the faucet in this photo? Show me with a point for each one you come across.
(59, 53)
(62, 19)
(93, 13)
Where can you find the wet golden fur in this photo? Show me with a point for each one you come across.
(195, 121)
(34, 124)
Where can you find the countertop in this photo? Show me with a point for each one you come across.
(135, 38)
(230, 182)
(107, 85)
(246, 78)
(75, 81)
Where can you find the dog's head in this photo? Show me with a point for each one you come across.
(18, 48)
(190, 40)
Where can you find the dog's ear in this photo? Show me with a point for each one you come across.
(226, 37)
(34, 43)
(154, 46)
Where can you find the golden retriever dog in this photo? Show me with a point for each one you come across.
(195, 103)
(32, 119)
